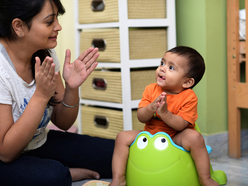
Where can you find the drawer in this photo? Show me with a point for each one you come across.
(100, 11)
(146, 9)
(107, 40)
(104, 122)
(107, 85)
(144, 43)
(137, 125)
(147, 43)
(97, 11)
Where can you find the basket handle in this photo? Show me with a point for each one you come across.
(99, 83)
(101, 121)
(101, 44)
(97, 5)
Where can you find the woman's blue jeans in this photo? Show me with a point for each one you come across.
(49, 164)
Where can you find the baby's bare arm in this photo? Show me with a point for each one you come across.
(174, 121)
(146, 113)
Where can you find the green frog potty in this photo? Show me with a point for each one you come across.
(157, 160)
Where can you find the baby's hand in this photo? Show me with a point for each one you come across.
(158, 102)
(162, 104)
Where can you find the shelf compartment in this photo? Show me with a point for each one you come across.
(146, 9)
(107, 85)
(103, 11)
(97, 11)
(111, 53)
(105, 122)
(144, 43)
(147, 43)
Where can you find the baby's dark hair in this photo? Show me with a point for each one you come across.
(195, 62)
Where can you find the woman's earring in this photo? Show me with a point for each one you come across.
(20, 35)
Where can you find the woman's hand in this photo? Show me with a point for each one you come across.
(45, 77)
(77, 72)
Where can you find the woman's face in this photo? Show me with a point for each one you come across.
(44, 28)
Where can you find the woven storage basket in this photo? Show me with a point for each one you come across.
(139, 80)
(88, 14)
(145, 9)
(147, 43)
(112, 90)
(111, 40)
(103, 122)
(137, 125)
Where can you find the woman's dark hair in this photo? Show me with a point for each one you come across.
(195, 62)
(24, 10)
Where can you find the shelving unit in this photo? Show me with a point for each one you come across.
(126, 64)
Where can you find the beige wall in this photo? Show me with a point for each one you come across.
(66, 38)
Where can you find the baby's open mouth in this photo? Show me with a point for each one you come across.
(162, 77)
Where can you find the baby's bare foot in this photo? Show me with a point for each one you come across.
(118, 182)
(210, 182)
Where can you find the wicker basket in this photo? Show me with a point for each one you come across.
(147, 43)
(108, 41)
(107, 85)
(137, 125)
(98, 11)
(146, 9)
(103, 122)
(144, 43)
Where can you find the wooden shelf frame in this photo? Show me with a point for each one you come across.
(237, 91)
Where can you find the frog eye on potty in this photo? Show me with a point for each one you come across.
(142, 142)
(161, 143)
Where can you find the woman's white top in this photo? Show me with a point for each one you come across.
(16, 92)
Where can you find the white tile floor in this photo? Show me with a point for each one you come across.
(235, 169)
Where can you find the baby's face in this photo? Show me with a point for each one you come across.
(170, 75)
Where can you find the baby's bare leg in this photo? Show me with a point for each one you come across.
(192, 140)
(121, 151)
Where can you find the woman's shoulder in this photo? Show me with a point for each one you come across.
(5, 65)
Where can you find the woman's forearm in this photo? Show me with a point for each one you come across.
(15, 139)
(66, 112)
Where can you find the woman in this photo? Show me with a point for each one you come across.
(32, 94)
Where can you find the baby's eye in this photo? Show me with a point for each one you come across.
(162, 63)
(171, 67)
